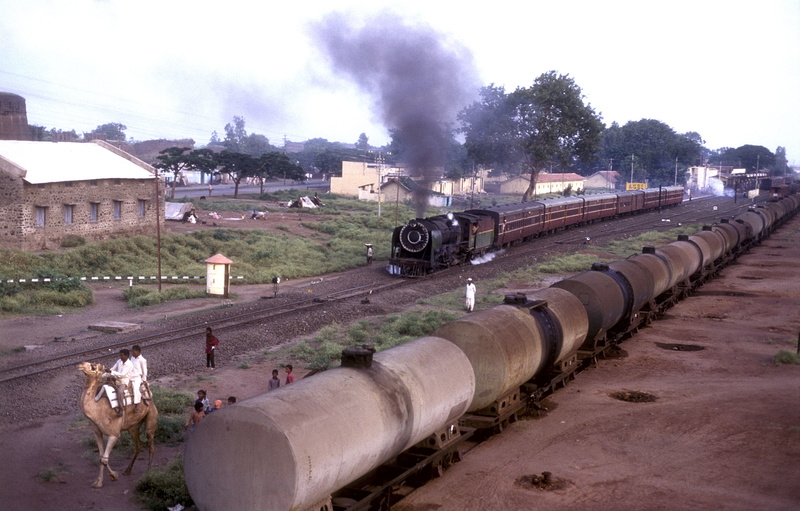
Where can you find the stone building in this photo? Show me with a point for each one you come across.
(13, 117)
(545, 183)
(604, 179)
(94, 190)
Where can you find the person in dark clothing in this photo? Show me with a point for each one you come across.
(212, 343)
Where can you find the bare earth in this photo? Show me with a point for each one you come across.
(724, 432)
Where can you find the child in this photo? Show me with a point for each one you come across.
(289, 375)
(274, 382)
(197, 415)
(203, 400)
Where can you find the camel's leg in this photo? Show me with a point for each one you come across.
(151, 424)
(104, 460)
(133, 431)
(98, 436)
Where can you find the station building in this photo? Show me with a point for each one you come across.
(94, 190)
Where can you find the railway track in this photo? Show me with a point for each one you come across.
(163, 338)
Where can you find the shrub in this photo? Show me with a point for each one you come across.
(786, 357)
(72, 240)
(160, 489)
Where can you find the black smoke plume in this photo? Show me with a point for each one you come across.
(417, 78)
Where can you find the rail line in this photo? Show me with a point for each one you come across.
(166, 337)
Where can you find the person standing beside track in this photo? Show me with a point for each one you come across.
(211, 346)
(470, 301)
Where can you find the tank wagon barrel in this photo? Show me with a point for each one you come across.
(297, 447)
(290, 448)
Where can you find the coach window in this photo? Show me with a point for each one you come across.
(69, 209)
(142, 207)
(41, 215)
(94, 211)
(117, 210)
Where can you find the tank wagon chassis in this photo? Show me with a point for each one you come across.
(382, 424)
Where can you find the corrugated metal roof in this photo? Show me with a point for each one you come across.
(49, 162)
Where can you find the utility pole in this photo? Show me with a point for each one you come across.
(676, 172)
(632, 158)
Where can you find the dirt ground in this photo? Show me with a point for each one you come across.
(723, 432)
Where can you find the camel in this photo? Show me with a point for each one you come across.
(106, 423)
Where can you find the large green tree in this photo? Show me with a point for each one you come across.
(532, 126)
(175, 160)
(113, 131)
(237, 139)
(237, 165)
(753, 158)
(650, 151)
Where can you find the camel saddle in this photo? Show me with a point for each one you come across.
(110, 391)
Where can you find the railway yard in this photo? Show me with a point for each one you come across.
(722, 430)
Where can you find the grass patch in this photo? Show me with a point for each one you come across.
(572, 263)
(324, 350)
(634, 245)
(144, 296)
(786, 357)
(53, 474)
(160, 489)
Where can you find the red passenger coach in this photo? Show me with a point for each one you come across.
(562, 212)
(630, 201)
(600, 205)
(659, 197)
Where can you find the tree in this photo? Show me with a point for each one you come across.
(363, 143)
(176, 160)
(650, 150)
(276, 164)
(750, 157)
(532, 126)
(239, 141)
(113, 131)
(238, 166)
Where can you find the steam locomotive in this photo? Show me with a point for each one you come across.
(320, 443)
(425, 245)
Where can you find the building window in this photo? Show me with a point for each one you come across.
(41, 216)
(142, 208)
(69, 209)
(117, 209)
(68, 184)
(118, 181)
(94, 211)
(93, 182)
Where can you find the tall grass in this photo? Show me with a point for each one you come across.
(324, 349)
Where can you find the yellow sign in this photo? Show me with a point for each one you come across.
(635, 186)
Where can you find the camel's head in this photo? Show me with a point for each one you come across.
(92, 369)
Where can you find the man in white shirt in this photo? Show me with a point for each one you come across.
(138, 375)
(470, 301)
(122, 372)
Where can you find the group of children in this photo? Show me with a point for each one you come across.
(275, 381)
(202, 407)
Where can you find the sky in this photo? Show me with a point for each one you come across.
(728, 70)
